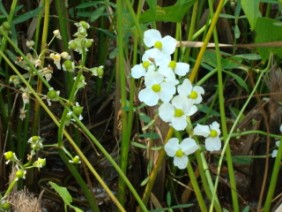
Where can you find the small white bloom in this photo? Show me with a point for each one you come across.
(179, 68)
(211, 133)
(47, 72)
(25, 97)
(275, 151)
(139, 70)
(29, 43)
(163, 47)
(57, 34)
(65, 55)
(280, 128)
(57, 59)
(176, 112)
(180, 151)
(195, 93)
(156, 89)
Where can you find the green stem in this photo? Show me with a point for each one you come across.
(224, 124)
(206, 41)
(274, 177)
(154, 173)
(36, 118)
(121, 80)
(197, 190)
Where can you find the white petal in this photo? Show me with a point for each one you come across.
(151, 55)
(166, 112)
(181, 163)
(138, 71)
(179, 123)
(161, 58)
(213, 144)
(202, 130)
(182, 68)
(281, 128)
(167, 91)
(274, 153)
(185, 88)
(169, 44)
(151, 36)
(152, 78)
(171, 147)
(149, 97)
(277, 143)
(189, 146)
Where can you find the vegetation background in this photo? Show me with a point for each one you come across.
(235, 55)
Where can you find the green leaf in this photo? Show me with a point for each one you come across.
(242, 160)
(97, 13)
(267, 31)
(27, 15)
(150, 135)
(238, 79)
(174, 13)
(143, 117)
(63, 192)
(251, 9)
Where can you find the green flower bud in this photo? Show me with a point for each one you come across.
(68, 65)
(84, 24)
(72, 44)
(52, 94)
(77, 110)
(5, 205)
(20, 174)
(6, 26)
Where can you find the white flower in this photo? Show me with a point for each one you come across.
(65, 55)
(163, 47)
(280, 128)
(179, 68)
(57, 59)
(169, 75)
(275, 151)
(29, 43)
(176, 112)
(195, 93)
(180, 151)
(211, 133)
(156, 89)
(57, 34)
(139, 70)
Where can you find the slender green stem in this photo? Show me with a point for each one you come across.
(206, 41)
(153, 174)
(227, 140)
(121, 80)
(197, 190)
(274, 178)
(224, 124)
(36, 118)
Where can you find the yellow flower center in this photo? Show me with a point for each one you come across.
(158, 45)
(179, 153)
(172, 64)
(178, 112)
(146, 64)
(213, 133)
(193, 95)
(156, 88)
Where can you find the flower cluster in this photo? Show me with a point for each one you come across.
(166, 85)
